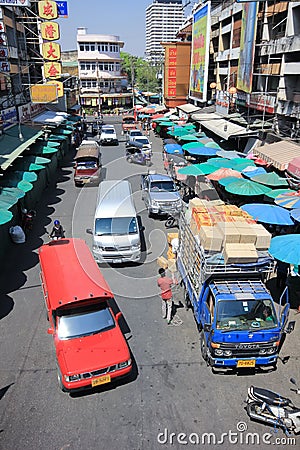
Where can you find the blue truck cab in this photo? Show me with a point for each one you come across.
(239, 324)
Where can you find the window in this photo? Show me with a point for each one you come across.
(92, 47)
(81, 47)
(210, 303)
(88, 66)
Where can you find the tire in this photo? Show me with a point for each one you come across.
(129, 159)
(203, 346)
(170, 222)
(60, 383)
(150, 214)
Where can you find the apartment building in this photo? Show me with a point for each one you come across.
(163, 19)
(99, 70)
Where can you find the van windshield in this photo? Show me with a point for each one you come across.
(76, 324)
(245, 315)
(116, 226)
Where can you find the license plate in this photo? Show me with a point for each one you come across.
(101, 380)
(246, 363)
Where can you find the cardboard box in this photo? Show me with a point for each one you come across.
(197, 202)
(170, 254)
(211, 238)
(171, 236)
(263, 237)
(247, 235)
(172, 265)
(229, 232)
(239, 253)
(162, 262)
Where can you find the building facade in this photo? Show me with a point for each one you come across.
(99, 71)
(163, 19)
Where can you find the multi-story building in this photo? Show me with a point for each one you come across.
(99, 70)
(163, 19)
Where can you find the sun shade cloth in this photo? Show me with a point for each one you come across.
(279, 154)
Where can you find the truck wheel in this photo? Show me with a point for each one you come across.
(203, 346)
(60, 383)
(149, 213)
(129, 159)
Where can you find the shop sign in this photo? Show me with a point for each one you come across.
(62, 9)
(47, 9)
(262, 102)
(28, 111)
(14, 2)
(4, 66)
(59, 86)
(3, 52)
(51, 51)
(8, 117)
(43, 93)
(50, 31)
(52, 70)
(2, 30)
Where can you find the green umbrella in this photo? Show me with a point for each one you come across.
(206, 168)
(166, 124)
(63, 131)
(14, 191)
(191, 170)
(7, 200)
(246, 188)
(192, 145)
(212, 145)
(21, 175)
(200, 134)
(27, 166)
(275, 192)
(190, 126)
(21, 185)
(177, 132)
(5, 216)
(42, 143)
(25, 186)
(43, 150)
(244, 161)
(227, 180)
(188, 137)
(221, 162)
(270, 179)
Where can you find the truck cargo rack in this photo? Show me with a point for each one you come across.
(200, 265)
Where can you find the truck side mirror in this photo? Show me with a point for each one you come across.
(118, 316)
(207, 327)
(290, 327)
(50, 331)
(89, 231)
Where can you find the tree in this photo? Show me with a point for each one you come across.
(144, 74)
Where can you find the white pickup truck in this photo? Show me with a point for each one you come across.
(160, 195)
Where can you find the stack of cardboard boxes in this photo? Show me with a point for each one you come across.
(227, 229)
(169, 263)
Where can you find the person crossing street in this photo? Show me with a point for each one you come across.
(165, 283)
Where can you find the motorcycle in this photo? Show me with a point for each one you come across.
(27, 219)
(135, 154)
(273, 409)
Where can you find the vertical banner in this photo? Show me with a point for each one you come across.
(248, 36)
(171, 71)
(200, 53)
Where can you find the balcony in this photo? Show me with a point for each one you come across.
(223, 56)
(283, 45)
(292, 68)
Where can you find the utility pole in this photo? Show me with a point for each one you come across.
(132, 82)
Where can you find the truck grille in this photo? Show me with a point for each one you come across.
(114, 249)
(245, 350)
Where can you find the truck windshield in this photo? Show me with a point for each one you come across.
(76, 324)
(116, 226)
(129, 120)
(162, 186)
(245, 315)
(87, 164)
(108, 131)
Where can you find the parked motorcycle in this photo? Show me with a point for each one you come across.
(273, 409)
(27, 219)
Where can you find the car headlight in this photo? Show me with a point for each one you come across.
(263, 351)
(271, 350)
(219, 352)
(69, 378)
(155, 203)
(136, 247)
(227, 353)
(124, 364)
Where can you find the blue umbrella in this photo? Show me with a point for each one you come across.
(173, 149)
(202, 151)
(252, 171)
(265, 213)
(289, 201)
(295, 214)
(286, 248)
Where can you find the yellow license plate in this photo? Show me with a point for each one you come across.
(101, 380)
(246, 363)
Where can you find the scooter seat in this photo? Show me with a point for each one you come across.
(269, 397)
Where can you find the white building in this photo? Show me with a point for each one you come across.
(163, 20)
(99, 70)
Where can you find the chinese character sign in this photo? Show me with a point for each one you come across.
(51, 51)
(200, 53)
(50, 31)
(59, 85)
(48, 9)
(52, 70)
(171, 61)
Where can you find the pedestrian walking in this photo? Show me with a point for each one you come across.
(165, 283)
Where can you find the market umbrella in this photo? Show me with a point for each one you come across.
(246, 188)
(177, 132)
(295, 214)
(289, 201)
(200, 134)
(165, 123)
(252, 171)
(191, 170)
(224, 173)
(229, 154)
(157, 116)
(261, 162)
(173, 148)
(220, 162)
(243, 161)
(271, 214)
(286, 248)
(188, 137)
(5, 216)
(170, 141)
(212, 145)
(227, 180)
(43, 150)
(275, 192)
(20, 175)
(22, 185)
(240, 165)
(270, 179)
(206, 168)
(8, 198)
(201, 151)
(192, 145)
(205, 140)
(14, 191)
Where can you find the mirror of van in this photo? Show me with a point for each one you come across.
(89, 231)
(118, 316)
(50, 331)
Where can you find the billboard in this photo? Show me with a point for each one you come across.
(248, 36)
(43, 93)
(200, 53)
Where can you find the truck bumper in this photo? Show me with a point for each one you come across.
(164, 211)
(117, 258)
(233, 362)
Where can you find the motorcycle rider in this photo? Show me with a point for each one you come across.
(57, 231)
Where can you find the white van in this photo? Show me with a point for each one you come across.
(116, 229)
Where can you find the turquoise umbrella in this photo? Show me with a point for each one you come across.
(205, 140)
(63, 131)
(221, 162)
(227, 180)
(57, 137)
(177, 132)
(14, 191)
(192, 145)
(270, 179)
(191, 170)
(21, 185)
(27, 166)
(8, 198)
(206, 168)
(275, 192)
(212, 145)
(43, 150)
(5, 216)
(246, 188)
(286, 248)
(20, 175)
(188, 137)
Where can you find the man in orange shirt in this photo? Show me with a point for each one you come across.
(165, 284)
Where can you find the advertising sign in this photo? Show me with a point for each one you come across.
(222, 103)
(200, 53)
(4, 66)
(52, 70)
(62, 9)
(47, 9)
(50, 31)
(8, 117)
(14, 2)
(248, 36)
(59, 87)
(43, 93)
(51, 51)
(171, 71)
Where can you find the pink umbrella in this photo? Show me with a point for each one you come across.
(224, 173)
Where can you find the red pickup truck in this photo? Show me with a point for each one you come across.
(128, 123)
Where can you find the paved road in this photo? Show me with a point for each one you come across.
(172, 391)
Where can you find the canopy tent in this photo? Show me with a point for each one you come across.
(271, 214)
(220, 126)
(51, 118)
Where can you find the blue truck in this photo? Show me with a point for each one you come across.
(239, 325)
